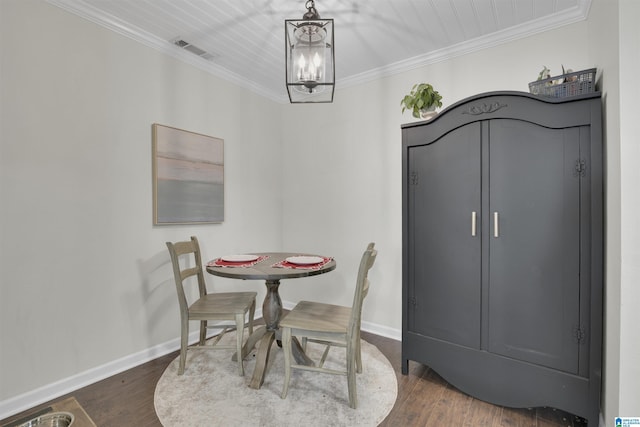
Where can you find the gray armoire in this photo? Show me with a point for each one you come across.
(503, 249)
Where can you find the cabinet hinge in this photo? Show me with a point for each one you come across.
(581, 168)
(413, 301)
(413, 179)
(579, 334)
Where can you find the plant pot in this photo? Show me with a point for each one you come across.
(428, 113)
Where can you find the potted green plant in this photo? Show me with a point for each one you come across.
(422, 100)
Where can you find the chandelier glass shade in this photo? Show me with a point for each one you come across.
(310, 68)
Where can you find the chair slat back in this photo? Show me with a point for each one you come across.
(182, 268)
(362, 287)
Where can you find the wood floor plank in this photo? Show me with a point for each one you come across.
(482, 414)
(417, 401)
(517, 418)
(541, 422)
(451, 409)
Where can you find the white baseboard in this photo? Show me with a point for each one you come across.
(381, 330)
(56, 389)
(67, 385)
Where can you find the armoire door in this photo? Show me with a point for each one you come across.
(534, 248)
(444, 262)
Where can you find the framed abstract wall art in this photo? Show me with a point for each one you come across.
(188, 177)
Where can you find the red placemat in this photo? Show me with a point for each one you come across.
(316, 266)
(219, 262)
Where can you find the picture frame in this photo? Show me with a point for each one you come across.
(188, 177)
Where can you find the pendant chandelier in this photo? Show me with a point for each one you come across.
(309, 53)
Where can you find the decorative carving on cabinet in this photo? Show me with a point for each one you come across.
(476, 110)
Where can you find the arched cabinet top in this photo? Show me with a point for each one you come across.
(548, 112)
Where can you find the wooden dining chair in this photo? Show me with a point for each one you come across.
(330, 325)
(228, 309)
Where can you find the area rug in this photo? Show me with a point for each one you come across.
(211, 393)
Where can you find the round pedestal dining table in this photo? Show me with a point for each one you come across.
(272, 267)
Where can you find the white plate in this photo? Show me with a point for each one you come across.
(304, 260)
(239, 258)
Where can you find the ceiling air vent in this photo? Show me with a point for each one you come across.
(193, 49)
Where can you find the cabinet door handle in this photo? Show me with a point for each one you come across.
(496, 232)
(474, 216)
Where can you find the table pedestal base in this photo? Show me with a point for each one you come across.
(264, 339)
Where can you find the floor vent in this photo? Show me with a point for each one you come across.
(193, 49)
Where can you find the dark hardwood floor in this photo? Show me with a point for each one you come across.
(424, 399)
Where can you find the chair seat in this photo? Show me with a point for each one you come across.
(222, 304)
(319, 317)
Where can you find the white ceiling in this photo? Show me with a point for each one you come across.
(373, 38)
